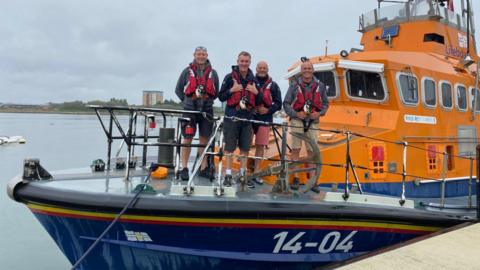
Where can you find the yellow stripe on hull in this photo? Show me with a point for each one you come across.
(241, 221)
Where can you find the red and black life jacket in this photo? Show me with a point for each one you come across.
(205, 81)
(313, 96)
(235, 98)
(266, 90)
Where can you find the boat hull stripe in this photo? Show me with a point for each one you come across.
(241, 223)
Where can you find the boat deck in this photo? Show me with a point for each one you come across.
(113, 182)
(85, 187)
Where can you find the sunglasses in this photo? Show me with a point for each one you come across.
(201, 48)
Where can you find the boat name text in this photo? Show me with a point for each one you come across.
(420, 119)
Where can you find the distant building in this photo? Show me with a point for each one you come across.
(151, 98)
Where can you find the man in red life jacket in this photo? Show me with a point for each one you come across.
(305, 102)
(197, 88)
(271, 103)
(239, 91)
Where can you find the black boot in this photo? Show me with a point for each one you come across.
(295, 183)
(184, 174)
(228, 180)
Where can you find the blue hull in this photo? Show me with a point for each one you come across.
(170, 244)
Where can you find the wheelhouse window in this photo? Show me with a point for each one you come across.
(408, 89)
(429, 93)
(328, 78)
(366, 85)
(446, 95)
(461, 98)
(475, 99)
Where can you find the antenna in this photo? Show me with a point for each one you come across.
(469, 14)
(468, 60)
(326, 47)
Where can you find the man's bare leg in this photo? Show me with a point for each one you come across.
(315, 188)
(228, 161)
(186, 152)
(295, 156)
(228, 169)
(243, 161)
(243, 168)
(185, 155)
(259, 152)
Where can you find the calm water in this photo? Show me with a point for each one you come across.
(59, 141)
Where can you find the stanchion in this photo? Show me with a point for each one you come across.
(478, 182)
(347, 160)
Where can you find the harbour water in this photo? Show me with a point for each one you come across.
(59, 141)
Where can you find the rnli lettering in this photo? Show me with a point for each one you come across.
(420, 119)
(455, 52)
(330, 242)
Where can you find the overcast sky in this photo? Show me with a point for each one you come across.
(59, 50)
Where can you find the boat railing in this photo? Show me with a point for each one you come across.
(284, 166)
(412, 11)
(130, 137)
(282, 170)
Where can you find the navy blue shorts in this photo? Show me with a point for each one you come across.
(237, 134)
(204, 126)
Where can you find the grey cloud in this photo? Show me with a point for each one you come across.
(54, 50)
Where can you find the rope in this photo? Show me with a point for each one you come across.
(441, 153)
(115, 220)
(335, 165)
(233, 118)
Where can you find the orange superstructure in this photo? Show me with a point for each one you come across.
(413, 82)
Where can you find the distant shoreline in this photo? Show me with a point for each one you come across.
(92, 112)
(49, 112)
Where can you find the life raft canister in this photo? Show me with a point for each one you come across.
(312, 98)
(201, 87)
(242, 97)
(267, 93)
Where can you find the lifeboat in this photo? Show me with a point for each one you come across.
(398, 141)
(414, 82)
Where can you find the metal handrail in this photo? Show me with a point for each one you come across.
(130, 136)
(444, 175)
